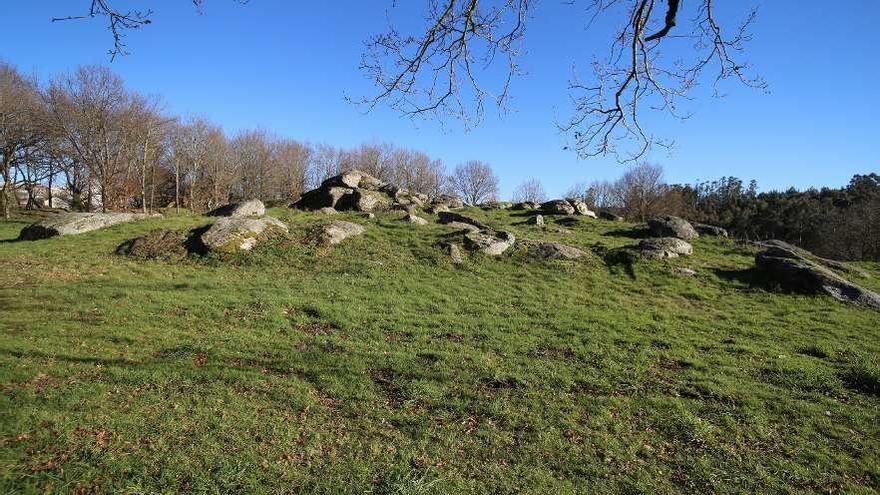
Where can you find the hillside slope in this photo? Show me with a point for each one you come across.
(377, 366)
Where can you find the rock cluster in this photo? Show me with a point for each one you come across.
(798, 269)
(712, 230)
(566, 207)
(230, 234)
(335, 232)
(489, 241)
(664, 247)
(249, 208)
(460, 221)
(359, 191)
(77, 223)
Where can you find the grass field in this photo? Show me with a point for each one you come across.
(380, 367)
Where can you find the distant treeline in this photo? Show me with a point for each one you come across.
(839, 223)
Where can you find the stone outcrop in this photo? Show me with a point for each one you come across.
(581, 208)
(360, 191)
(231, 234)
(335, 232)
(611, 217)
(672, 226)
(526, 205)
(249, 208)
(446, 201)
(664, 247)
(798, 269)
(566, 207)
(77, 223)
(488, 241)
(414, 219)
(553, 251)
(496, 205)
(454, 252)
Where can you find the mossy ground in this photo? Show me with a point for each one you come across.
(377, 366)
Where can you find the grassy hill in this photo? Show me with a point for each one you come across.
(377, 366)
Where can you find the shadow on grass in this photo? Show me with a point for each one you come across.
(631, 233)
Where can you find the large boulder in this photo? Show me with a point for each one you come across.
(581, 208)
(706, 229)
(325, 197)
(536, 220)
(77, 223)
(496, 205)
(231, 234)
(557, 207)
(162, 244)
(414, 219)
(672, 226)
(488, 241)
(553, 251)
(368, 200)
(664, 247)
(526, 205)
(249, 208)
(353, 179)
(335, 232)
(798, 269)
(456, 257)
(448, 217)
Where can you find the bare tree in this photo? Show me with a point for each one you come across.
(20, 126)
(474, 182)
(437, 73)
(640, 191)
(530, 190)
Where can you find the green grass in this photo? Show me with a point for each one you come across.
(379, 367)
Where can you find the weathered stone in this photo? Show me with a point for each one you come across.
(489, 242)
(328, 197)
(352, 179)
(327, 210)
(536, 220)
(682, 271)
(705, 229)
(496, 205)
(463, 226)
(162, 244)
(798, 269)
(335, 232)
(366, 200)
(449, 201)
(415, 219)
(553, 251)
(450, 217)
(557, 207)
(672, 226)
(77, 223)
(581, 208)
(664, 247)
(249, 208)
(526, 205)
(230, 234)
(607, 215)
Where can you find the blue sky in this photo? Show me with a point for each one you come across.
(286, 66)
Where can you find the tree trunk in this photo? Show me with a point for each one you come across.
(177, 185)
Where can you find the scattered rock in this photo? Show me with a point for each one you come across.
(488, 241)
(607, 215)
(664, 247)
(682, 271)
(249, 208)
(705, 229)
(463, 226)
(496, 205)
(526, 205)
(672, 226)
(437, 208)
(536, 220)
(415, 219)
(454, 252)
(230, 234)
(800, 270)
(335, 232)
(327, 210)
(77, 223)
(557, 207)
(162, 244)
(448, 217)
(553, 251)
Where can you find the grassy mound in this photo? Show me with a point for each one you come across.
(379, 366)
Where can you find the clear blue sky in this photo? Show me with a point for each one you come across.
(286, 65)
